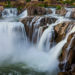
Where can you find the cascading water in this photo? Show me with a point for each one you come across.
(69, 10)
(23, 58)
(9, 12)
(23, 14)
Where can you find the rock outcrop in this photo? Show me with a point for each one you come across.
(62, 29)
(72, 15)
(48, 11)
(35, 10)
(61, 12)
(67, 56)
(32, 25)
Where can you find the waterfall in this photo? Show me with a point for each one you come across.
(11, 34)
(9, 12)
(69, 10)
(53, 11)
(16, 49)
(23, 14)
(47, 34)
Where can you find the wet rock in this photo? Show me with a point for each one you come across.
(62, 29)
(33, 23)
(1, 9)
(73, 15)
(0, 13)
(47, 20)
(68, 55)
(65, 73)
(49, 11)
(35, 10)
(61, 12)
(28, 29)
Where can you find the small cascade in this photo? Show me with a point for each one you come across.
(23, 14)
(47, 34)
(40, 31)
(9, 12)
(53, 11)
(69, 10)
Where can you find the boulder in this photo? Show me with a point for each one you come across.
(35, 10)
(61, 12)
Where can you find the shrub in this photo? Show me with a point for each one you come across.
(58, 7)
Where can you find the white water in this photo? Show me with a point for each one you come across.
(69, 10)
(23, 14)
(15, 48)
(9, 12)
(47, 34)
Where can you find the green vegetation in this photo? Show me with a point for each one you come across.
(58, 7)
(27, 0)
(8, 4)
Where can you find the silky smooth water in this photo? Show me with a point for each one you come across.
(20, 57)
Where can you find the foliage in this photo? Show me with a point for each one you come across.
(58, 7)
(8, 4)
(28, 0)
